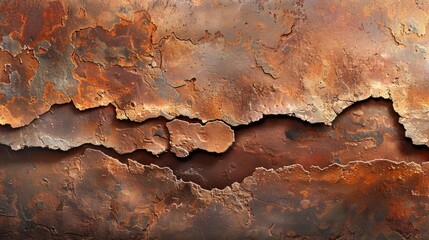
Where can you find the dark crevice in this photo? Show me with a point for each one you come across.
(365, 131)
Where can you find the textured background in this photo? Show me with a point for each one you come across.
(194, 119)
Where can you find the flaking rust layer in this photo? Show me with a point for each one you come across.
(365, 131)
(111, 88)
(93, 196)
(214, 60)
(186, 137)
(64, 127)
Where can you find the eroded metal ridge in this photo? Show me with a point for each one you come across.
(267, 107)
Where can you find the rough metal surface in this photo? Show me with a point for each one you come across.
(365, 131)
(226, 60)
(268, 108)
(379, 199)
(65, 127)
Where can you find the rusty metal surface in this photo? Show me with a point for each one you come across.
(290, 119)
(185, 137)
(365, 131)
(64, 127)
(311, 59)
(56, 199)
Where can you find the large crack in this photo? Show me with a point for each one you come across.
(364, 131)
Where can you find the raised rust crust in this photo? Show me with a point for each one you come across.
(185, 137)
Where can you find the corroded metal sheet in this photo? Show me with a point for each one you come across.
(310, 59)
(168, 119)
(57, 200)
(64, 127)
(365, 131)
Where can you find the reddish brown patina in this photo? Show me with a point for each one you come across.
(290, 119)
(90, 195)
